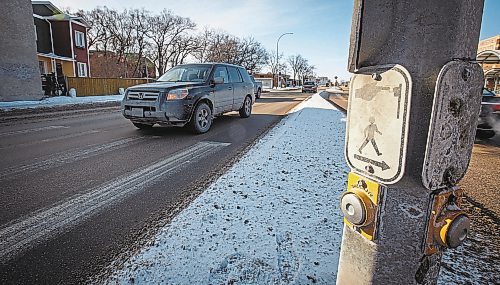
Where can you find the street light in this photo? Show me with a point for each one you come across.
(277, 56)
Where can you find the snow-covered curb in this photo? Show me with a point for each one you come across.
(58, 101)
(334, 90)
(273, 218)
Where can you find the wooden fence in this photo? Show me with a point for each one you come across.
(88, 86)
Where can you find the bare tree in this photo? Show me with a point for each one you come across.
(204, 40)
(129, 36)
(298, 64)
(223, 47)
(163, 31)
(139, 19)
(183, 47)
(98, 36)
(275, 65)
(251, 54)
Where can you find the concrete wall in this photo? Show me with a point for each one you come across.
(19, 73)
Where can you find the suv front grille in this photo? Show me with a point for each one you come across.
(146, 96)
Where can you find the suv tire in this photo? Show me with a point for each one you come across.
(246, 109)
(202, 118)
(258, 93)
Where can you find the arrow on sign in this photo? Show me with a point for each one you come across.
(382, 164)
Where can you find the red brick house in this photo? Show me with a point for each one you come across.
(61, 41)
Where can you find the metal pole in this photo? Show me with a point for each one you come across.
(408, 143)
(277, 56)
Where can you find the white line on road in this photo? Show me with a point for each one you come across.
(59, 159)
(32, 130)
(44, 224)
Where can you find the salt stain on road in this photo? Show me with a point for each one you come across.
(273, 218)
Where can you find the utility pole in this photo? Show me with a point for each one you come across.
(19, 72)
(413, 107)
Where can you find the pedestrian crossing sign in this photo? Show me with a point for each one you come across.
(377, 122)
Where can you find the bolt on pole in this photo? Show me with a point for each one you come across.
(414, 102)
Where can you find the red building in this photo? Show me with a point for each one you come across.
(61, 41)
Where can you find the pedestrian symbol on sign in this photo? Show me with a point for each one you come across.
(369, 132)
(377, 123)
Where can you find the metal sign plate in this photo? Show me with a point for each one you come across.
(455, 111)
(377, 123)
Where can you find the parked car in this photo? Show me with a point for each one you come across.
(309, 86)
(190, 94)
(257, 87)
(489, 116)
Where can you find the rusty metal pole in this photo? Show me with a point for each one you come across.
(412, 115)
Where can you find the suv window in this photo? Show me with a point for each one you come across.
(221, 71)
(234, 75)
(245, 75)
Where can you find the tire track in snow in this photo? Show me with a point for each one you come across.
(23, 234)
(20, 132)
(58, 159)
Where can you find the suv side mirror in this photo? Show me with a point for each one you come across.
(218, 80)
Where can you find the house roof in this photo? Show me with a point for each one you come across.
(49, 5)
(55, 13)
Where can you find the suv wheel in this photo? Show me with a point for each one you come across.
(258, 93)
(246, 109)
(202, 118)
(143, 126)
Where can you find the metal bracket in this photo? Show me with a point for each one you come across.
(448, 198)
(455, 112)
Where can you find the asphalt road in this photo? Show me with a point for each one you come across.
(82, 189)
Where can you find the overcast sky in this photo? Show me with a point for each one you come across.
(321, 28)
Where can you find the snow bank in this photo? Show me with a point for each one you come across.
(58, 101)
(273, 218)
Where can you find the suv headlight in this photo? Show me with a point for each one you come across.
(177, 94)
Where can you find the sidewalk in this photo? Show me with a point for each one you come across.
(273, 218)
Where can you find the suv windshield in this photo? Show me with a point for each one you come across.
(187, 73)
(308, 83)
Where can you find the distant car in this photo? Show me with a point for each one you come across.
(190, 94)
(489, 116)
(309, 86)
(257, 87)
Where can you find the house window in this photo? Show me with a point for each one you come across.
(79, 39)
(82, 69)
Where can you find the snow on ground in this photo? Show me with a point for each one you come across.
(58, 101)
(273, 218)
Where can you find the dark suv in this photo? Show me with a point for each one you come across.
(309, 86)
(190, 94)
